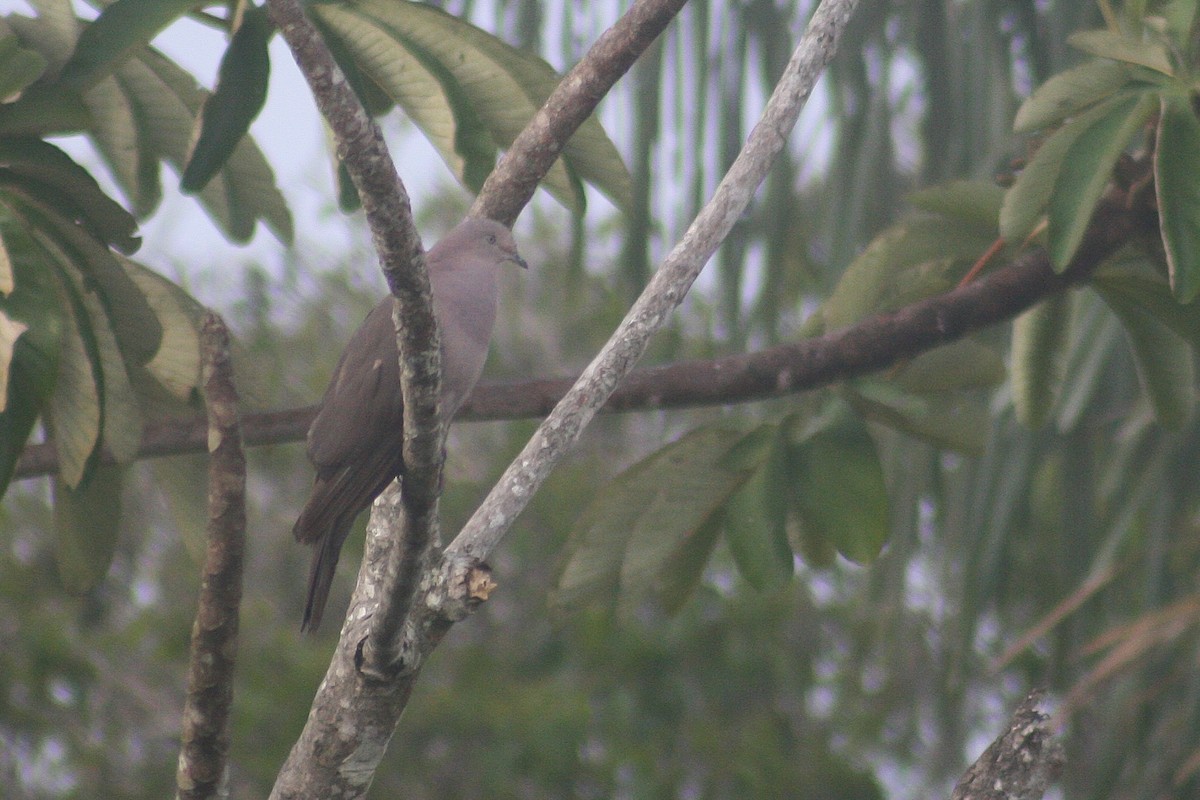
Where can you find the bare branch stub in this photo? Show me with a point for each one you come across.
(1020, 764)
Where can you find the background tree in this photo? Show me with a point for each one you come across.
(1040, 522)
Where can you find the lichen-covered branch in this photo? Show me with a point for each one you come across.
(1020, 764)
(205, 735)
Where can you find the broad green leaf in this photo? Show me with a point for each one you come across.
(488, 84)
(838, 489)
(7, 283)
(60, 17)
(973, 202)
(240, 93)
(504, 87)
(117, 133)
(916, 255)
(10, 331)
(1123, 47)
(965, 364)
(1094, 333)
(949, 420)
(1086, 171)
(756, 524)
(136, 328)
(1038, 341)
(678, 487)
(167, 99)
(1180, 16)
(1069, 92)
(19, 67)
(1025, 202)
(121, 423)
(43, 170)
(111, 38)
(427, 93)
(176, 365)
(1141, 283)
(687, 499)
(34, 302)
(680, 572)
(86, 521)
(74, 413)
(1164, 361)
(1176, 167)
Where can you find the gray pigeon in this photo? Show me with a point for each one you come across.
(355, 440)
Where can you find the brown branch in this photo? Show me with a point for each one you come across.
(869, 346)
(1019, 765)
(516, 177)
(205, 737)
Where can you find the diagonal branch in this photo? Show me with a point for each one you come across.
(562, 429)
(516, 177)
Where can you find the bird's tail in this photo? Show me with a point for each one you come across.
(326, 550)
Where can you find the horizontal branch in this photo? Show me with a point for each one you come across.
(871, 345)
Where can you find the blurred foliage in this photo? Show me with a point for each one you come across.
(1045, 531)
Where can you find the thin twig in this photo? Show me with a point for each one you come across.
(561, 430)
(205, 736)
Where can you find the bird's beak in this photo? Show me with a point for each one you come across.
(520, 262)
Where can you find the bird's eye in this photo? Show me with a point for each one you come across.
(491, 238)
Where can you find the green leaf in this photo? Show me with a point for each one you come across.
(1094, 334)
(136, 328)
(965, 364)
(176, 364)
(167, 100)
(756, 524)
(35, 303)
(1025, 202)
(1180, 16)
(838, 489)
(240, 93)
(121, 423)
(50, 174)
(1164, 361)
(1086, 171)
(1069, 92)
(1140, 282)
(86, 521)
(10, 332)
(74, 415)
(1123, 47)
(427, 92)
(976, 203)
(1039, 339)
(1176, 165)
(119, 135)
(19, 67)
(949, 420)
(916, 255)
(678, 487)
(502, 85)
(110, 39)
(680, 572)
